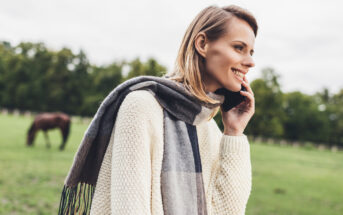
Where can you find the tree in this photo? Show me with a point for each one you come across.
(151, 67)
(268, 117)
(335, 115)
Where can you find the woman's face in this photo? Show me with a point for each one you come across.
(229, 58)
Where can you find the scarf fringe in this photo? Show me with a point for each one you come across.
(76, 200)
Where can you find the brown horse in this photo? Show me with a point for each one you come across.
(47, 121)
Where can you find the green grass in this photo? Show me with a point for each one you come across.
(31, 178)
(289, 181)
(286, 180)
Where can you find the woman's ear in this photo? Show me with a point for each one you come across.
(200, 44)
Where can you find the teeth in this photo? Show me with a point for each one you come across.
(238, 73)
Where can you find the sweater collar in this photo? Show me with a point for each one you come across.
(206, 108)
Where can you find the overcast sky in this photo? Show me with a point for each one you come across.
(301, 39)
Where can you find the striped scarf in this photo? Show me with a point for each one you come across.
(182, 186)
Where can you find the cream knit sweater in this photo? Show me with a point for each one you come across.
(129, 178)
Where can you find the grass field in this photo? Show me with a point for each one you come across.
(286, 180)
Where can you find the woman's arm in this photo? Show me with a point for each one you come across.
(127, 169)
(131, 164)
(231, 180)
(232, 177)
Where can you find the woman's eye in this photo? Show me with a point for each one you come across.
(239, 47)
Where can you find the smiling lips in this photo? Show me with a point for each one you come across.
(238, 73)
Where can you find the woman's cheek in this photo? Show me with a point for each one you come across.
(213, 64)
(233, 58)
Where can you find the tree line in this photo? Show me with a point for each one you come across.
(32, 77)
(35, 78)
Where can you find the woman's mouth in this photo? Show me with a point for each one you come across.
(239, 75)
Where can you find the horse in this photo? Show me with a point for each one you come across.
(47, 121)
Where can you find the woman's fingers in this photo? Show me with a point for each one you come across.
(250, 97)
(245, 79)
(247, 85)
(247, 94)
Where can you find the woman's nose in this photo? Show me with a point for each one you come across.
(249, 62)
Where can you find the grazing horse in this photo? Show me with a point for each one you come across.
(47, 121)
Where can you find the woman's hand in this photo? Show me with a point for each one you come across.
(236, 119)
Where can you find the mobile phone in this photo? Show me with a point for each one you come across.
(232, 99)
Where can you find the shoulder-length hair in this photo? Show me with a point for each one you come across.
(189, 64)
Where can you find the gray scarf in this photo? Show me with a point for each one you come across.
(181, 176)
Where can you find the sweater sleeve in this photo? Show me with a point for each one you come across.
(231, 179)
(131, 163)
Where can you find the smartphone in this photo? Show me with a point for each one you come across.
(232, 99)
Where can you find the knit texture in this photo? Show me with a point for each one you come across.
(129, 178)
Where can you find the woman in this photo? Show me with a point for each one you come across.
(165, 154)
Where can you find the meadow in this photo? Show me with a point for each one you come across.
(286, 180)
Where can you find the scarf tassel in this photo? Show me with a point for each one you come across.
(76, 200)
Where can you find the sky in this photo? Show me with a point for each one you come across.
(301, 39)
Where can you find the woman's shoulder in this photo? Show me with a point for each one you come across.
(141, 101)
(141, 96)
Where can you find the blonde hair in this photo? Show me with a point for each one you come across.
(189, 64)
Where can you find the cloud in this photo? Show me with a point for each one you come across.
(300, 39)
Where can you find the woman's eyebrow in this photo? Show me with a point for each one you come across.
(244, 44)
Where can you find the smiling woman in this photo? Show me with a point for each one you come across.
(153, 146)
(216, 51)
(228, 58)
